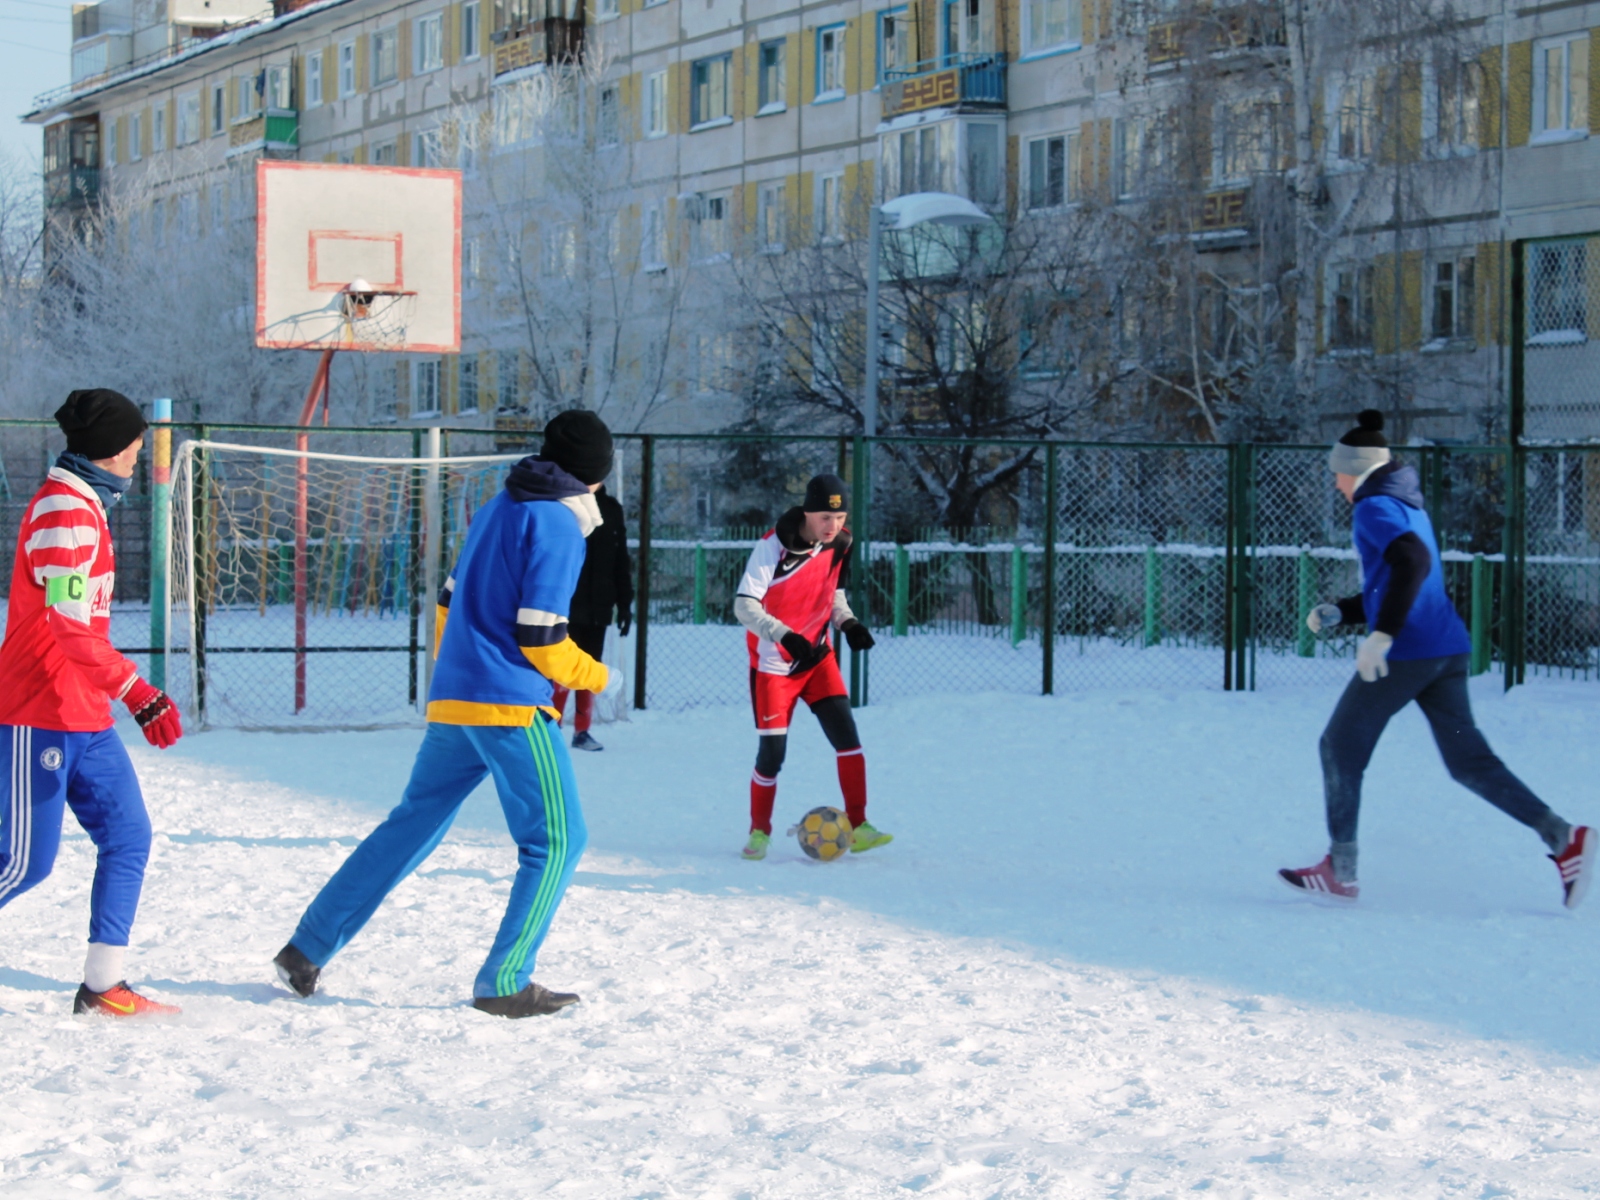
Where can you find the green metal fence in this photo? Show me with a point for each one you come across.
(1089, 566)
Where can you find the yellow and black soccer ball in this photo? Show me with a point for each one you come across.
(824, 833)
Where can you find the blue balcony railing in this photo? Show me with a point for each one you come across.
(978, 79)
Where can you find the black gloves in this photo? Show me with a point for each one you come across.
(805, 654)
(858, 635)
(624, 620)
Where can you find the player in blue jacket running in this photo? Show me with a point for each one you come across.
(1417, 649)
(501, 644)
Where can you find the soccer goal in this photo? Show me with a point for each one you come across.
(301, 584)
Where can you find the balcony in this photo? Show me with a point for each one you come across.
(96, 58)
(966, 81)
(273, 131)
(72, 187)
(1248, 26)
(549, 40)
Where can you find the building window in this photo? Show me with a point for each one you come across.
(158, 127)
(136, 137)
(1052, 178)
(385, 56)
(1561, 87)
(983, 163)
(830, 207)
(1355, 120)
(1350, 307)
(769, 217)
(280, 87)
(1129, 137)
(830, 63)
(425, 387)
(467, 384)
(770, 82)
(428, 39)
(314, 80)
(918, 160)
(112, 131)
(471, 34)
(427, 148)
(1050, 25)
(606, 9)
(1454, 281)
(708, 99)
(219, 108)
(347, 69)
(894, 41)
(246, 98)
(968, 27)
(1243, 138)
(1558, 294)
(655, 104)
(1450, 108)
(712, 222)
(383, 154)
(189, 119)
(652, 252)
(560, 252)
(508, 381)
(608, 123)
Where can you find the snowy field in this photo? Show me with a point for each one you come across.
(1072, 975)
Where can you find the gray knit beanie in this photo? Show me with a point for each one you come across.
(1363, 448)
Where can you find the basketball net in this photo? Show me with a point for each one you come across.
(376, 317)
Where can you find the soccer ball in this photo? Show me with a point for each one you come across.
(824, 833)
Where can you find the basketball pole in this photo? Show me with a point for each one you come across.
(302, 502)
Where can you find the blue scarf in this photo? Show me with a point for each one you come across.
(107, 486)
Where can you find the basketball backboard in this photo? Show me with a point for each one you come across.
(322, 226)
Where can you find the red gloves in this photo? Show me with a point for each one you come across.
(156, 713)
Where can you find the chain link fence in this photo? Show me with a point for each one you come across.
(1074, 567)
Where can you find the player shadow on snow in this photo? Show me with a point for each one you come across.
(1137, 832)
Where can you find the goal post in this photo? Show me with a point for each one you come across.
(303, 583)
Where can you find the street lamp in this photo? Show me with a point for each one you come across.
(903, 212)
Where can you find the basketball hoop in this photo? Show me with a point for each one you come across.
(377, 317)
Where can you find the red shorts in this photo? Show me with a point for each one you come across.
(773, 696)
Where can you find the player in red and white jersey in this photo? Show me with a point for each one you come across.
(790, 599)
(58, 675)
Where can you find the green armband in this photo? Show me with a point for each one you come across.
(62, 589)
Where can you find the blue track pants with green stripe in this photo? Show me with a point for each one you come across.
(533, 774)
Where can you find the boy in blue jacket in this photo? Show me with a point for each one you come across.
(1417, 649)
(501, 644)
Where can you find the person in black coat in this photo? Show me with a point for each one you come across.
(604, 587)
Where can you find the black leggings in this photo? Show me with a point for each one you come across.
(838, 726)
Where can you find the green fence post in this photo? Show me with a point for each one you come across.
(860, 498)
(1019, 593)
(414, 583)
(699, 584)
(1480, 614)
(902, 591)
(1306, 579)
(161, 537)
(641, 608)
(1047, 617)
(1152, 596)
(199, 480)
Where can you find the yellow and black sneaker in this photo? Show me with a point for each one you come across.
(120, 1001)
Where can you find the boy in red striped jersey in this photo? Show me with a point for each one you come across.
(58, 674)
(791, 594)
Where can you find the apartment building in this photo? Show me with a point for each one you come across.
(726, 127)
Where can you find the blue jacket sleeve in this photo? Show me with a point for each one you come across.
(553, 563)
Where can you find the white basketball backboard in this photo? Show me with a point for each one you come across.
(322, 226)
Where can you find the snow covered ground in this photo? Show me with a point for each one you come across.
(1072, 975)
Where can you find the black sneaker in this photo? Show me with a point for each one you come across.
(296, 970)
(583, 741)
(531, 1001)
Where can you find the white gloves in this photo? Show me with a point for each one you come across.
(1372, 657)
(1323, 615)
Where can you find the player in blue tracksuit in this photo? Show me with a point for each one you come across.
(502, 643)
(1417, 649)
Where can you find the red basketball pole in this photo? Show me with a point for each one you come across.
(302, 501)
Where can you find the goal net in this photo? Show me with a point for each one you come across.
(302, 584)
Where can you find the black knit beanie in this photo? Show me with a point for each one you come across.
(100, 423)
(826, 493)
(1362, 448)
(579, 443)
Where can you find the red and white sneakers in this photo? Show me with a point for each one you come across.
(1320, 883)
(1576, 864)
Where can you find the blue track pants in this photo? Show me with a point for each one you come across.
(533, 775)
(47, 770)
